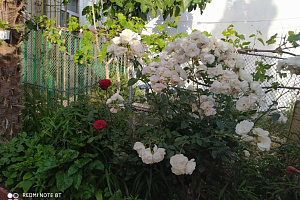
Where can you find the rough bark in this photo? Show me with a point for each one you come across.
(10, 70)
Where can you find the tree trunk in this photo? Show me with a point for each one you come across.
(10, 69)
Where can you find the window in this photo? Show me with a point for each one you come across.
(72, 11)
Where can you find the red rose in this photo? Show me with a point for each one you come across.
(104, 84)
(100, 124)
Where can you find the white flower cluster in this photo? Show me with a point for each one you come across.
(127, 37)
(149, 156)
(115, 102)
(182, 165)
(200, 56)
(207, 106)
(292, 64)
(259, 136)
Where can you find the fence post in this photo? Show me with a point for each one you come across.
(80, 75)
(68, 68)
(75, 68)
(43, 63)
(25, 61)
(61, 75)
(34, 58)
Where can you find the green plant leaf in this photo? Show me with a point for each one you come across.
(272, 39)
(275, 116)
(27, 175)
(261, 41)
(77, 179)
(132, 81)
(72, 170)
(184, 125)
(63, 181)
(82, 161)
(161, 27)
(26, 185)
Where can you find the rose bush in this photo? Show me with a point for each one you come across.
(204, 105)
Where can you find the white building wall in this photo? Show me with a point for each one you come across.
(247, 16)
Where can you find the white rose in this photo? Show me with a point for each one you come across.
(127, 35)
(246, 103)
(210, 112)
(108, 101)
(262, 139)
(147, 156)
(247, 154)
(201, 68)
(178, 163)
(148, 70)
(137, 47)
(158, 87)
(120, 51)
(244, 75)
(260, 132)
(282, 119)
(208, 58)
(264, 143)
(216, 87)
(215, 71)
(192, 50)
(158, 154)
(190, 166)
(154, 78)
(243, 127)
(113, 110)
(111, 48)
(228, 75)
(226, 88)
(138, 146)
(247, 138)
(116, 40)
(256, 87)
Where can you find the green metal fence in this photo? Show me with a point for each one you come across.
(54, 72)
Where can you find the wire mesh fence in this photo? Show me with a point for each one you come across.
(289, 91)
(57, 76)
(55, 72)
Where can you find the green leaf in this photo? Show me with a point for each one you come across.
(275, 116)
(184, 125)
(30, 25)
(27, 175)
(214, 154)
(132, 81)
(252, 35)
(63, 181)
(89, 155)
(261, 40)
(97, 164)
(98, 195)
(220, 124)
(72, 170)
(161, 27)
(272, 39)
(82, 161)
(77, 180)
(26, 185)
(186, 4)
(9, 181)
